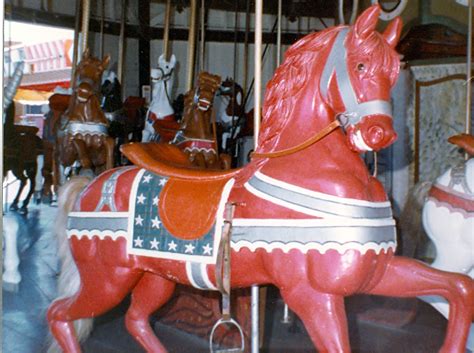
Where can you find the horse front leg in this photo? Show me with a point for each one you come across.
(81, 149)
(109, 152)
(323, 315)
(409, 278)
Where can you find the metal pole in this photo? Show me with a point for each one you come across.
(191, 45)
(121, 56)
(202, 43)
(257, 92)
(279, 33)
(246, 49)
(256, 117)
(102, 23)
(85, 23)
(469, 76)
(255, 308)
(77, 31)
(166, 33)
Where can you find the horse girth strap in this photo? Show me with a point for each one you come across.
(223, 261)
(312, 140)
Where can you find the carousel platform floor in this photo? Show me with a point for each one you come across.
(376, 324)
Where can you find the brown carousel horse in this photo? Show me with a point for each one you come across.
(82, 131)
(197, 133)
(306, 215)
(58, 104)
(21, 149)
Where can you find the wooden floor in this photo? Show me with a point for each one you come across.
(376, 324)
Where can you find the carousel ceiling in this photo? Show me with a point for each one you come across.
(290, 8)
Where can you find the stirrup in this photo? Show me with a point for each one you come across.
(223, 283)
(230, 322)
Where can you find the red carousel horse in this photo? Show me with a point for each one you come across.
(81, 134)
(308, 217)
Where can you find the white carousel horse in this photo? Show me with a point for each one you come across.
(448, 219)
(160, 106)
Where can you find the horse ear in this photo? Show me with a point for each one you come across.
(366, 22)
(173, 60)
(106, 61)
(393, 31)
(86, 53)
(161, 60)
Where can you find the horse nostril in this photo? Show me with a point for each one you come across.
(375, 135)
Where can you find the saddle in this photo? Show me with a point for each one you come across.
(190, 199)
(464, 141)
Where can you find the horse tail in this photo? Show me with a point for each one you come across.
(69, 280)
(414, 240)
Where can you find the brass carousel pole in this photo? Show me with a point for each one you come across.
(121, 57)
(202, 43)
(166, 31)
(86, 6)
(77, 31)
(102, 22)
(257, 92)
(279, 33)
(469, 76)
(191, 45)
(246, 49)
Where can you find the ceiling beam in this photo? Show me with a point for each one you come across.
(134, 31)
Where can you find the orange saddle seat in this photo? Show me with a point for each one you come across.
(190, 199)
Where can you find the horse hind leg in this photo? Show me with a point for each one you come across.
(18, 173)
(31, 174)
(323, 315)
(149, 295)
(409, 278)
(98, 293)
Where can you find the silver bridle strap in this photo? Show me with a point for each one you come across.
(355, 111)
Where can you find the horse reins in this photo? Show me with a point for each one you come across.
(355, 111)
(320, 135)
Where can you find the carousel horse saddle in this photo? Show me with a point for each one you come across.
(168, 160)
(190, 199)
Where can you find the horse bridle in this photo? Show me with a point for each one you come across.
(165, 78)
(201, 103)
(354, 112)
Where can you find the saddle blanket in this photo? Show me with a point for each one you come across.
(142, 225)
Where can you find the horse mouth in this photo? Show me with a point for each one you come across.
(204, 104)
(81, 99)
(358, 142)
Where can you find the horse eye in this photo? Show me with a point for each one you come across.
(360, 67)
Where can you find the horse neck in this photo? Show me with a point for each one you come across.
(329, 157)
(198, 124)
(89, 111)
(160, 100)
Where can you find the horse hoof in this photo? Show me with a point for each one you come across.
(23, 210)
(14, 207)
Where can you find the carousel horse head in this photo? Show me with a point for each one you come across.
(165, 69)
(205, 92)
(356, 66)
(360, 71)
(88, 76)
(233, 92)
(111, 91)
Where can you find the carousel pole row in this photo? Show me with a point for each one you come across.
(102, 24)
